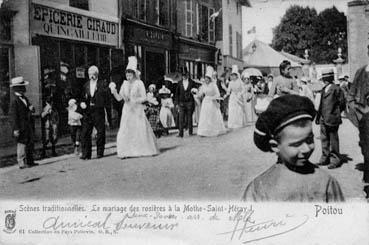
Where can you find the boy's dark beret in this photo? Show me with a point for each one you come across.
(281, 112)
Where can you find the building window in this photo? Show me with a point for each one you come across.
(4, 80)
(238, 7)
(206, 26)
(211, 27)
(230, 41)
(239, 45)
(139, 9)
(81, 4)
(162, 12)
(189, 17)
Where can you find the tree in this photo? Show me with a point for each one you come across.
(331, 30)
(295, 33)
(302, 28)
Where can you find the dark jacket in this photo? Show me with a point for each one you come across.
(182, 95)
(100, 100)
(332, 104)
(357, 94)
(22, 120)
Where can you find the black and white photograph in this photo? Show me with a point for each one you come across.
(255, 102)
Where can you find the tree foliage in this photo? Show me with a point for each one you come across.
(322, 34)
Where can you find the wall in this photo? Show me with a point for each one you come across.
(358, 27)
(230, 16)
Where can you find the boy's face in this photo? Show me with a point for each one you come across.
(296, 144)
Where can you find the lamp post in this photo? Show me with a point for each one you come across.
(339, 61)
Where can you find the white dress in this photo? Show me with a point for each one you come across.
(211, 120)
(236, 104)
(135, 136)
(166, 116)
(248, 96)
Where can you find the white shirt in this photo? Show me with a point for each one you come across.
(185, 84)
(20, 97)
(92, 87)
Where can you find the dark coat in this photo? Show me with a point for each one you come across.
(182, 95)
(332, 104)
(22, 120)
(100, 100)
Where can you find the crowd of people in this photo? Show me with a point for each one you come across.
(282, 109)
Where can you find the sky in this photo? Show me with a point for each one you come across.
(267, 14)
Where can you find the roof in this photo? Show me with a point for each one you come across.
(293, 57)
(259, 54)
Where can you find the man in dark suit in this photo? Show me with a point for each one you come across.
(95, 108)
(185, 102)
(329, 117)
(21, 118)
(358, 111)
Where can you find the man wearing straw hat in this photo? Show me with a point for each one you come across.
(332, 104)
(21, 118)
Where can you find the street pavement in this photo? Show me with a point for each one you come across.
(192, 168)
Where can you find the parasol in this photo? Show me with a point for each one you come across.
(253, 72)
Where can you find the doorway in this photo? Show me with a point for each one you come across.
(155, 68)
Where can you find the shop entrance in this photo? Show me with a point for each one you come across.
(155, 68)
(65, 64)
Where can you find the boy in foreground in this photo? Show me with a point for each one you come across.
(286, 129)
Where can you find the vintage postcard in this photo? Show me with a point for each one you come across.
(184, 122)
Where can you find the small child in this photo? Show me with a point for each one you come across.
(74, 121)
(286, 129)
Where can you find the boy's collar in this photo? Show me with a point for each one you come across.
(308, 168)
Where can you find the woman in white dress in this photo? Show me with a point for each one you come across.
(211, 120)
(248, 97)
(135, 136)
(236, 103)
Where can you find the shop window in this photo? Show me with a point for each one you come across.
(81, 4)
(92, 56)
(104, 63)
(189, 18)
(4, 80)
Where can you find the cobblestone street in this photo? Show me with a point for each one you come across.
(189, 168)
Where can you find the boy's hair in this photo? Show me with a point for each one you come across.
(298, 124)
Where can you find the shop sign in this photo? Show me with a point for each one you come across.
(151, 37)
(80, 72)
(53, 22)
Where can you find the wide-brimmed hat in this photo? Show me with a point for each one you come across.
(18, 81)
(328, 72)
